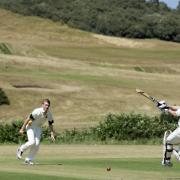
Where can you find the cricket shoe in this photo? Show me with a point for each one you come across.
(166, 163)
(28, 162)
(176, 153)
(19, 153)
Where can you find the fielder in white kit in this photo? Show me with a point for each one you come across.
(171, 138)
(33, 125)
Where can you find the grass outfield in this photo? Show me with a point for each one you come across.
(66, 162)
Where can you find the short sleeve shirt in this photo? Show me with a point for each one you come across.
(39, 117)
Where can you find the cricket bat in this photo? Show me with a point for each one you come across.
(151, 98)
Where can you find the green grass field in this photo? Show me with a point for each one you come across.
(66, 162)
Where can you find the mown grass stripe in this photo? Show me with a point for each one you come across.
(28, 176)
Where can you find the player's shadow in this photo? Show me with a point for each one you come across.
(44, 164)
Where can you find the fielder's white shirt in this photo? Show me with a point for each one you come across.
(39, 117)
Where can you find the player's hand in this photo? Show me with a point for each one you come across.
(29, 123)
(162, 105)
(166, 110)
(21, 131)
(53, 136)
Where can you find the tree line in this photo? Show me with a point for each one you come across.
(121, 18)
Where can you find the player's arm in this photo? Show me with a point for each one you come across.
(28, 121)
(52, 131)
(174, 110)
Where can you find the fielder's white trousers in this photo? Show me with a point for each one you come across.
(174, 137)
(34, 136)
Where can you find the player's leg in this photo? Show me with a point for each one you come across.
(175, 139)
(170, 139)
(167, 149)
(176, 153)
(29, 143)
(35, 147)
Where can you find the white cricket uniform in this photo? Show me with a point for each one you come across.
(34, 131)
(174, 137)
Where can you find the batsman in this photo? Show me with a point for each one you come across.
(170, 138)
(32, 126)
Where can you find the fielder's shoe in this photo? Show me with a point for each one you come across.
(167, 163)
(19, 153)
(28, 162)
(176, 153)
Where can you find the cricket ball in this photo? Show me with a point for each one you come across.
(108, 169)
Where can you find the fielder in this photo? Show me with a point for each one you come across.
(33, 125)
(170, 138)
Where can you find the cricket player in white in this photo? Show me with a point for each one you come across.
(33, 125)
(171, 138)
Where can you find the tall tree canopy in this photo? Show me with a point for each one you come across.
(125, 18)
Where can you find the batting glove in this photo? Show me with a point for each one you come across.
(162, 106)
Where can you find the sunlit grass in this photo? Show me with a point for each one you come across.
(114, 55)
(89, 162)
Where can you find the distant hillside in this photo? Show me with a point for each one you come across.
(86, 75)
(122, 18)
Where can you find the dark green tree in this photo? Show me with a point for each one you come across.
(178, 6)
(155, 2)
(124, 18)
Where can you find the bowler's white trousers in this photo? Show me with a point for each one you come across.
(34, 137)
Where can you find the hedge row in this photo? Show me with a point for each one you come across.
(134, 126)
(123, 127)
(9, 133)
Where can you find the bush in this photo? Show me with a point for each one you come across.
(3, 98)
(9, 133)
(133, 126)
(5, 48)
(177, 38)
(123, 127)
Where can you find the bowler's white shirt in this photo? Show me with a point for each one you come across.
(40, 117)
